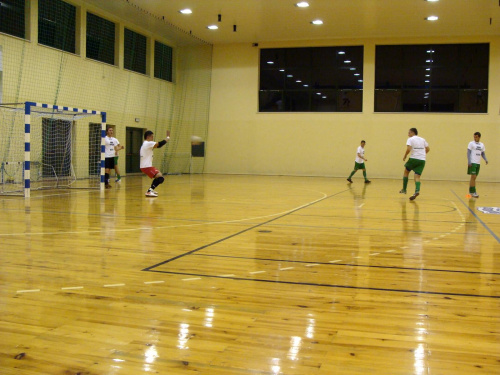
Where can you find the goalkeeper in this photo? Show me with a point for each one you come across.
(147, 161)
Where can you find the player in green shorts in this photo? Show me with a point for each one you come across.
(359, 163)
(117, 171)
(475, 151)
(416, 163)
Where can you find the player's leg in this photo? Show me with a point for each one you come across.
(108, 165)
(157, 180)
(117, 171)
(353, 171)
(418, 169)
(473, 170)
(367, 181)
(417, 187)
(405, 180)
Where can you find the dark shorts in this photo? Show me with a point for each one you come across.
(109, 163)
(415, 165)
(359, 166)
(473, 169)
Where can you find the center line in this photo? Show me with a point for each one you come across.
(72, 287)
(286, 268)
(254, 272)
(112, 285)
(28, 291)
(153, 282)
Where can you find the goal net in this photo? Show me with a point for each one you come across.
(49, 147)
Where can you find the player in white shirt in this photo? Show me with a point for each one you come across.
(147, 161)
(359, 163)
(475, 151)
(416, 163)
(112, 146)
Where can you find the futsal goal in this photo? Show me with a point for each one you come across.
(45, 146)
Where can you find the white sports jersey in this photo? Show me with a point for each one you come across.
(360, 151)
(418, 145)
(476, 148)
(110, 143)
(147, 154)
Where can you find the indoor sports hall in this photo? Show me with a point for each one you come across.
(265, 226)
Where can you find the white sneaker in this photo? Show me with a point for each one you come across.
(151, 193)
(474, 195)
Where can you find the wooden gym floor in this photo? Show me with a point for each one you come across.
(251, 275)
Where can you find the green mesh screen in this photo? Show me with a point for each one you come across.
(12, 16)
(100, 39)
(163, 61)
(57, 24)
(135, 51)
(31, 72)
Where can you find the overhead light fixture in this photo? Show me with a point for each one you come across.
(298, 81)
(290, 76)
(432, 1)
(306, 85)
(360, 80)
(430, 51)
(317, 22)
(432, 18)
(427, 81)
(186, 11)
(357, 74)
(341, 52)
(347, 61)
(282, 70)
(302, 4)
(427, 68)
(212, 27)
(270, 62)
(352, 68)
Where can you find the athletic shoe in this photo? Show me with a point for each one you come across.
(349, 180)
(367, 181)
(412, 198)
(108, 186)
(474, 195)
(119, 179)
(151, 193)
(402, 191)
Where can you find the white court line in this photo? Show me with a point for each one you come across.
(361, 205)
(229, 275)
(404, 247)
(286, 268)
(28, 291)
(390, 251)
(312, 265)
(255, 272)
(112, 285)
(72, 287)
(335, 261)
(153, 282)
(167, 226)
(374, 253)
(192, 278)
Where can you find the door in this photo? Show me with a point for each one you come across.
(134, 143)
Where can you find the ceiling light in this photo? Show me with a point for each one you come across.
(430, 51)
(341, 53)
(427, 68)
(427, 75)
(317, 22)
(352, 68)
(186, 11)
(213, 27)
(360, 80)
(289, 76)
(282, 70)
(318, 93)
(324, 97)
(432, 18)
(347, 61)
(306, 85)
(427, 81)
(431, 1)
(302, 4)
(298, 81)
(356, 74)
(270, 62)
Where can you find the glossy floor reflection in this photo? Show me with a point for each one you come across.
(251, 275)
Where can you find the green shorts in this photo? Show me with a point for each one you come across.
(359, 166)
(473, 169)
(116, 160)
(415, 165)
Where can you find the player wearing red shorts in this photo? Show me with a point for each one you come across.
(147, 161)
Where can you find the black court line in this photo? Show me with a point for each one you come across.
(347, 264)
(477, 217)
(447, 294)
(243, 231)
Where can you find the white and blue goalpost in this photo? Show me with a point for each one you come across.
(63, 148)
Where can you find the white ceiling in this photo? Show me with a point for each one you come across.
(281, 20)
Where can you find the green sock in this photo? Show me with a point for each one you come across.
(118, 176)
(417, 187)
(352, 174)
(405, 183)
(471, 189)
(364, 174)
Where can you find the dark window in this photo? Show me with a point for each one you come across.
(313, 79)
(12, 16)
(432, 78)
(57, 24)
(163, 61)
(100, 39)
(135, 51)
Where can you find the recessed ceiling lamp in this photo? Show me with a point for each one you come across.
(302, 4)
(341, 52)
(431, 1)
(186, 11)
(432, 18)
(317, 22)
(212, 27)
(347, 61)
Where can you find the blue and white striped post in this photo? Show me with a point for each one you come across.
(27, 139)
